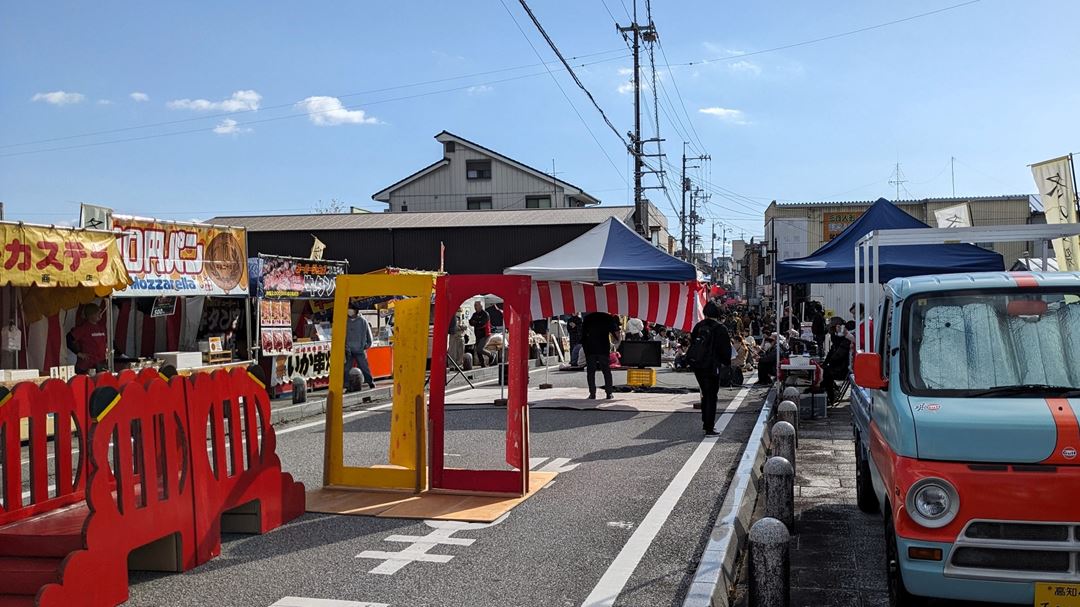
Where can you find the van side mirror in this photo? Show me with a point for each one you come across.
(868, 371)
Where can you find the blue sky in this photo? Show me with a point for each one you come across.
(994, 84)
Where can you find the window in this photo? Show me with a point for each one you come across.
(478, 169)
(404, 207)
(479, 204)
(449, 147)
(538, 202)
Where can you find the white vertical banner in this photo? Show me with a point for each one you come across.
(1055, 181)
(958, 216)
(95, 217)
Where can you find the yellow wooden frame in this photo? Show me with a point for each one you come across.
(407, 467)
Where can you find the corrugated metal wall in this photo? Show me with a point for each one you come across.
(478, 250)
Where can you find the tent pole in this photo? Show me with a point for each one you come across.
(247, 329)
(876, 288)
(858, 287)
(110, 331)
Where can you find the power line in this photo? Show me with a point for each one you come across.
(556, 81)
(293, 103)
(573, 75)
(679, 94)
(830, 37)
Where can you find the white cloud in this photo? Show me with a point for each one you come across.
(626, 71)
(139, 97)
(238, 102)
(479, 89)
(59, 97)
(725, 114)
(104, 102)
(328, 111)
(625, 88)
(744, 66)
(229, 126)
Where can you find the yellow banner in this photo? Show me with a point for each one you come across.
(60, 257)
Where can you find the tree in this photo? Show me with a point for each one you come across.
(334, 206)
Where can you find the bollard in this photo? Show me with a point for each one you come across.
(791, 393)
(299, 390)
(780, 491)
(770, 565)
(788, 412)
(783, 442)
(354, 380)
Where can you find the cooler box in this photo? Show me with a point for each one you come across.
(812, 406)
(641, 377)
(181, 360)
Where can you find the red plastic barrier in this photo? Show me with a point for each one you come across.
(239, 464)
(152, 498)
(450, 292)
(54, 404)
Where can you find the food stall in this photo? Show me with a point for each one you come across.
(184, 275)
(48, 274)
(294, 298)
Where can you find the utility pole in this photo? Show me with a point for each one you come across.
(898, 181)
(685, 189)
(554, 186)
(952, 165)
(712, 254)
(641, 210)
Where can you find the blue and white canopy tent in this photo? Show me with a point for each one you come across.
(612, 269)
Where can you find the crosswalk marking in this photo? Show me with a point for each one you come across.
(299, 601)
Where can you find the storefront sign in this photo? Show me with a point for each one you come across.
(274, 342)
(288, 278)
(835, 223)
(220, 316)
(166, 258)
(57, 257)
(275, 313)
(308, 360)
(163, 306)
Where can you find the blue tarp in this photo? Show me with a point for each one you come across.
(834, 262)
(610, 252)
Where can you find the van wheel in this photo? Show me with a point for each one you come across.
(898, 593)
(864, 487)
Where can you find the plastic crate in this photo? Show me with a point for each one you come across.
(641, 377)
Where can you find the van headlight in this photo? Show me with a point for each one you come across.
(933, 502)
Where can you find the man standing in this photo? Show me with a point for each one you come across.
(573, 330)
(87, 341)
(597, 330)
(357, 340)
(481, 330)
(710, 348)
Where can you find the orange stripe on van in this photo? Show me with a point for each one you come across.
(1024, 280)
(1068, 433)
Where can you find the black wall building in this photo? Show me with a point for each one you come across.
(477, 242)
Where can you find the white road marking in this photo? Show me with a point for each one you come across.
(559, 464)
(417, 550)
(619, 571)
(299, 601)
(621, 524)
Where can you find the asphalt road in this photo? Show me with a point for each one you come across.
(553, 549)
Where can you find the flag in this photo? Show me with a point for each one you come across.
(1057, 187)
(317, 249)
(958, 216)
(442, 256)
(95, 217)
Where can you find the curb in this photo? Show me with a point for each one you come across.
(714, 578)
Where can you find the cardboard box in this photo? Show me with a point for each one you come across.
(181, 360)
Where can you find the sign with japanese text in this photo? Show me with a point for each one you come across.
(835, 223)
(289, 278)
(165, 258)
(1056, 184)
(310, 360)
(59, 257)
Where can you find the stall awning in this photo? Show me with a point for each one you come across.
(59, 268)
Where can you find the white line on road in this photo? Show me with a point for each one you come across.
(618, 573)
(299, 601)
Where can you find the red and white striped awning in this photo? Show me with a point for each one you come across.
(677, 305)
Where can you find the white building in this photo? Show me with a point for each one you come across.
(470, 177)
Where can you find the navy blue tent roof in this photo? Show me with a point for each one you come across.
(610, 252)
(834, 262)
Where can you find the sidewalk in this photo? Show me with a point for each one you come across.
(838, 552)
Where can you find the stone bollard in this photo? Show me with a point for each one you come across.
(788, 411)
(780, 491)
(791, 393)
(770, 565)
(299, 390)
(355, 380)
(783, 442)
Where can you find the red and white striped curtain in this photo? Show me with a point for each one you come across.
(678, 305)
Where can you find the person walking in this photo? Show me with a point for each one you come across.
(479, 322)
(358, 339)
(710, 347)
(597, 331)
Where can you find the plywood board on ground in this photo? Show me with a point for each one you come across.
(575, 398)
(438, 506)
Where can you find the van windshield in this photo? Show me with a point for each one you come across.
(983, 343)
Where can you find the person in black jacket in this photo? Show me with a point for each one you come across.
(710, 349)
(479, 322)
(835, 366)
(596, 333)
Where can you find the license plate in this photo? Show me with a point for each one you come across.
(1052, 594)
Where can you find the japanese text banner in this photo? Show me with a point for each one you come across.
(1055, 181)
(59, 257)
(167, 258)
